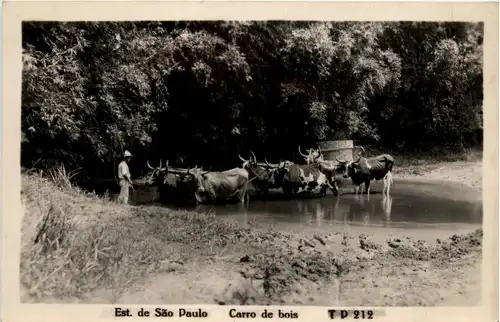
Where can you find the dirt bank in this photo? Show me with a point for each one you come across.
(466, 172)
(94, 251)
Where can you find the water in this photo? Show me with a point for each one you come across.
(421, 210)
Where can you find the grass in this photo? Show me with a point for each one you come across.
(75, 242)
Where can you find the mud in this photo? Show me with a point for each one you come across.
(285, 269)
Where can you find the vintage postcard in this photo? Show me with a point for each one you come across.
(263, 161)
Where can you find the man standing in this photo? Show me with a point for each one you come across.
(124, 177)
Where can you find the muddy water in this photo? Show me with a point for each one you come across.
(420, 210)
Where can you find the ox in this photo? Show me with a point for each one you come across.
(364, 170)
(280, 164)
(295, 179)
(315, 156)
(175, 185)
(312, 156)
(221, 186)
(259, 173)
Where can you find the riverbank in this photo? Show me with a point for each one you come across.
(464, 169)
(95, 251)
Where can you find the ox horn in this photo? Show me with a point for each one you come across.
(254, 157)
(239, 156)
(149, 166)
(339, 161)
(302, 154)
(265, 159)
(360, 154)
(361, 148)
(160, 164)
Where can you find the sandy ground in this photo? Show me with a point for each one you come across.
(468, 173)
(369, 279)
(275, 268)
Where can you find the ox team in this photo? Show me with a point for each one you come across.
(195, 185)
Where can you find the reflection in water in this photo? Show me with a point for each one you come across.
(362, 207)
(320, 215)
(386, 207)
(409, 204)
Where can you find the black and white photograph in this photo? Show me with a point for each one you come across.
(252, 162)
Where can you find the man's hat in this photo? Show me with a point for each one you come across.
(127, 154)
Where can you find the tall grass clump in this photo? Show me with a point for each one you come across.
(74, 242)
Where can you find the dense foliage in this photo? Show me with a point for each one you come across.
(203, 91)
